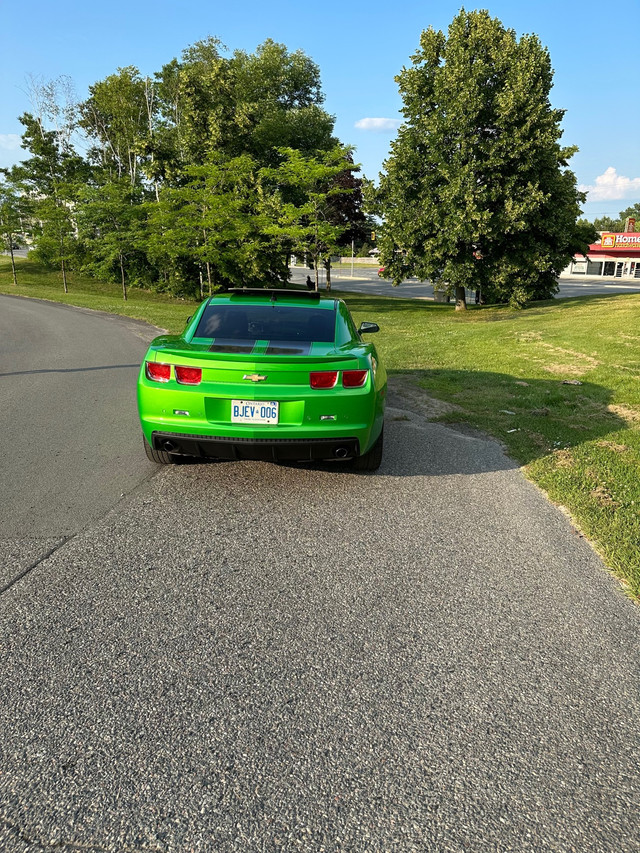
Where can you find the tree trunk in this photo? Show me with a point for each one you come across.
(13, 261)
(64, 276)
(461, 302)
(124, 283)
(317, 271)
(201, 284)
(209, 276)
(328, 269)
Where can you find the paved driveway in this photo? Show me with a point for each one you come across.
(252, 657)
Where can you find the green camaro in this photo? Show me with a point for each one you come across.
(265, 374)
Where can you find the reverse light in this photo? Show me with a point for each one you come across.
(323, 379)
(158, 372)
(354, 378)
(188, 375)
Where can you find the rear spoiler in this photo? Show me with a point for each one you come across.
(274, 294)
(233, 359)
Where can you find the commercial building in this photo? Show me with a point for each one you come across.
(615, 256)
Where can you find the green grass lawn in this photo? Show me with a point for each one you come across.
(558, 384)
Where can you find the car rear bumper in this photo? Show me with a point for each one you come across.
(265, 449)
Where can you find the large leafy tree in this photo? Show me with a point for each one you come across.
(477, 191)
(246, 103)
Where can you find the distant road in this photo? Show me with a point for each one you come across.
(368, 281)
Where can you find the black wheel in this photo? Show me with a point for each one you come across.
(370, 461)
(160, 457)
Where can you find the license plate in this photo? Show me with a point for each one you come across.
(252, 412)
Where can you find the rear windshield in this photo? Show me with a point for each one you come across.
(290, 323)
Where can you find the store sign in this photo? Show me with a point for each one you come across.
(630, 224)
(620, 241)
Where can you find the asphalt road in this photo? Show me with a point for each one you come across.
(253, 657)
(368, 281)
(68, 417)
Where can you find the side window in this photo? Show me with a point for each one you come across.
(346, 331)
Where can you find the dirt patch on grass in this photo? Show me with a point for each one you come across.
(563, 459)
(589, 359)
(577, 364)
(631, 416)
(611, 445)
(565, 369)
(603, 498)
(404, 392)
(528, 337)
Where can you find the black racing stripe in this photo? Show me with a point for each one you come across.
(289, 348)
(231, 346)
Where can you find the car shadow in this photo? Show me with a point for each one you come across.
(518, 420)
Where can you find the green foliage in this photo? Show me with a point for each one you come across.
(118, 116)
(477, 192)
(304, 190)
(217, 221)
(111, 226)
(173, 192)
(50, 178)
(14, 213)
(14, 218)
(209, 104)
(606, 223)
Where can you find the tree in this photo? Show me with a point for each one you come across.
(307, 187)
(13, 218)
(345, 208)
(211, 104)
(217, 219)
(477, 192)
(119, 117)
(50, 178)
(110, 223)
(606, 223)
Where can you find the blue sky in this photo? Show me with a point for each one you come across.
(360, 47)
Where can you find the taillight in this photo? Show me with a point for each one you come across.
(188, 375)
(158, 372)
(354, 378)
(323, 378)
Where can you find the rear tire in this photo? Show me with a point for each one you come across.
(160, 457)
(370, 461)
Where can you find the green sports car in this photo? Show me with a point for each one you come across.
(275, 375)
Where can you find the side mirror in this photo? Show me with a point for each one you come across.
(368, 327)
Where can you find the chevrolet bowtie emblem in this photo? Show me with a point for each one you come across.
(254, 377)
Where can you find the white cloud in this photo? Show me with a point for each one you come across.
(611, 185)
(378, 124)
(9, 141)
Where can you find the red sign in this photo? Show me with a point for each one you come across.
(620, 241)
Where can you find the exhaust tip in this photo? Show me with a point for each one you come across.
(341, 452)
(169, 446)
